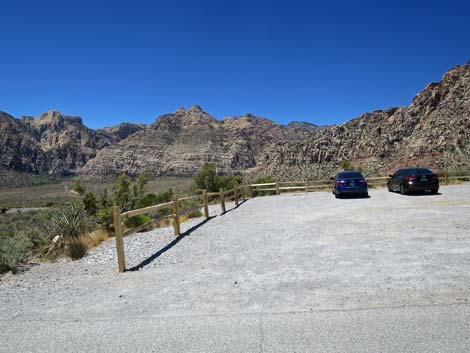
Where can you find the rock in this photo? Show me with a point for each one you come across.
(434, 131)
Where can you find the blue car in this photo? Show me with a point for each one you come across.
(349, 183)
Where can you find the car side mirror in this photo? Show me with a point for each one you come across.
(391, 176)
(332, 178)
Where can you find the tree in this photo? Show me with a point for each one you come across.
(205, 178)
(104, 201)
(90, 204)
(126, 193)
(122, 192)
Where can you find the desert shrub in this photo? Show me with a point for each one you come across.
(65, 229)
(14, 247)
(79, 188)
(104, 201)
(348, 165)
(155, 199)
(76, 249)
(208, 179)
(3, 209)
(190, 204)
(28, 223)
(264, 180)
(126, 193)
(90, 204)
(49, 204)
(205, 178)
(71, 222)
(228, 181)
(137, 221)
(104, 218)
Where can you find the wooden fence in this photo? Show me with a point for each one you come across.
(174, 211)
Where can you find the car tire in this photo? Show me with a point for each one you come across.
(389, 188)
(434, 191)
(365, 195)
(337, 196)
(402, 190)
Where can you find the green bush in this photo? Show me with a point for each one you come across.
(155, 199)
(65, 230)
(190, 204)
(105, 218)
(264, 180)
(208, 179)
(90, 204)
(126, 193)
(14, 247)
(137, 221)
(71, 222)
(79, 188)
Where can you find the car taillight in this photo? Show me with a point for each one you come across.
(363, 181)
(434, 176)
(410, 178)
(341, 182)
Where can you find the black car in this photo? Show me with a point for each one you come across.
(413, 179)
(349, 183)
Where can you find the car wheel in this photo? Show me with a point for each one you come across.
(365, 195)
(434, 191)
(389, 188)
(402, 190)
(337, 196)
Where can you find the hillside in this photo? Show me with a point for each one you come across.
(433, 131)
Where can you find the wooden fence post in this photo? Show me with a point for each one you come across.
(206, 203)
(446, 177)
(251, 191)
(236, 195)
(277, 188)
(119, 239)
(222, 200)
(306, 185)
(176, 211)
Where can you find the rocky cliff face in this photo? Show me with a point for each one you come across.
(434, 131)
(304, 125)
(49, 144)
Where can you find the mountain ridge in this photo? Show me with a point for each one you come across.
(432, 131)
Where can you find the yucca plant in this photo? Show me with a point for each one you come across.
(66, 228)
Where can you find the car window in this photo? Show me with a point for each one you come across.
(351, 175)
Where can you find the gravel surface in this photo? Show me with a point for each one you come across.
(273, 269)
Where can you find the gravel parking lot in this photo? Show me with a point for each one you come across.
(296, 261)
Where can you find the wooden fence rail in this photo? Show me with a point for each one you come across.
(203, 200)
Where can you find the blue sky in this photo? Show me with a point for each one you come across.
(323, 62)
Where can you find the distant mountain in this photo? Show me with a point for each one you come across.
(434, 131)
(304, 125)
(53, 143)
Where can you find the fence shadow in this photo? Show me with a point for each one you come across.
(235, 207)
(180, 237)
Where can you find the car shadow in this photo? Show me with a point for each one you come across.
(349, 197)
(422, 193)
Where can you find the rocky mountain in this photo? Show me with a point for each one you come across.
(304, 125)
(50, 144)
(433, 131)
